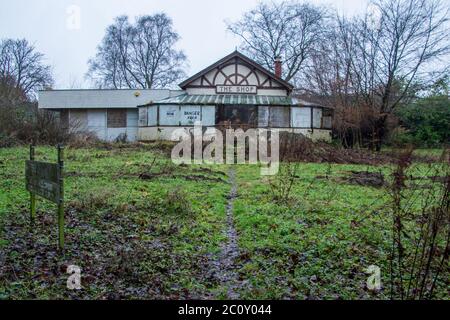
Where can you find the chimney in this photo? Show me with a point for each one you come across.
(278, 67)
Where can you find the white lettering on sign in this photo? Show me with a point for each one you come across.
(237, 89)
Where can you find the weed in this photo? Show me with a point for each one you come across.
(281, 185)
(95, 199)
(420, 231)
(173, 202)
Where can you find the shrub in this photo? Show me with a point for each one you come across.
(7, 141)
(427, 122)
(420, 230)
(25, 123)
(174, 202)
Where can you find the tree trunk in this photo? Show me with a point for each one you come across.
(379, 132)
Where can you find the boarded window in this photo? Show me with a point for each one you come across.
(279, 117)
(152, 115)
(64, 119)
(317, 118)
(143, 118)
(301, 117)
(327, 121)
(78, 120)
(97, 122)
(263, 116)
(132, 118)
(97, 118)
(169, 115)
(208, 115)
(190, 115)
(117, 118)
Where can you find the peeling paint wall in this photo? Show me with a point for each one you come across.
(165, 133)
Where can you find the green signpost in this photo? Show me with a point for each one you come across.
(46, 180)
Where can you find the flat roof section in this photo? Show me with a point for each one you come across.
(99, 99)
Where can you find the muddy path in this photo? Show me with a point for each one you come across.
(224, 266)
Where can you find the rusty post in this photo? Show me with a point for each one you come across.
(32, 195)
(61, 200)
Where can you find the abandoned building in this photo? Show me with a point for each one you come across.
(233, 92)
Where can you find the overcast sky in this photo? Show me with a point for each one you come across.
(200, 23)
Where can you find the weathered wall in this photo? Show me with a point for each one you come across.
(315, 135)
(176, 115)
(159, 133)
(275, 117)
(105, 127)
(165, 133)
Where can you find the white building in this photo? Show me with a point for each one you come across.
(233, 92)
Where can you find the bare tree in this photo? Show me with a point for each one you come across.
(288, 30)
(139, 55)
(370, 64)
(22, 70)
(407, 37)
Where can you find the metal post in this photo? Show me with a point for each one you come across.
(32, 195)
(61, 200)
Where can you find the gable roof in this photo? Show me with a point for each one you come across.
(237, 54)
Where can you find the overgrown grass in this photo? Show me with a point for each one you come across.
(161, 227)
(143, 228)
(320, 243)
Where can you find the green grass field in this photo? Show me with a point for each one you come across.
(142, 228)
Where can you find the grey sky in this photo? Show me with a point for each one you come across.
(200, 23)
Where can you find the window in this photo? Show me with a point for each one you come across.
(238, 115)
(64, 119)
(78, 120)
(327, 121)
(152, 116)
(301, 117)
(190, 115)
(117, 118)
(208, 115)
(263, 116)
(279, 117)
(169, 115)
(143, 118)
(317, 118)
